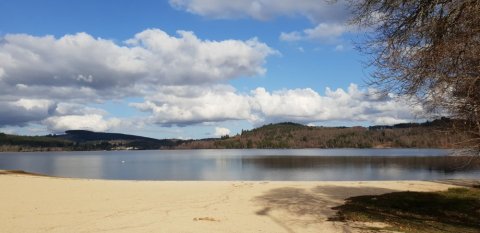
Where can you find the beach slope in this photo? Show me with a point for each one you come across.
(32, 203)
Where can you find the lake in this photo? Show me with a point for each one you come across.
(251, 164)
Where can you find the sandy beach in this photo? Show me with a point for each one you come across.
(31, 203)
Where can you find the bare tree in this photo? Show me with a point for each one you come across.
(430, 50)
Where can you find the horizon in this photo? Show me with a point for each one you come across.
(231, 135)
(184, 69)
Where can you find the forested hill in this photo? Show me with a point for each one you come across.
(80, 140)
(85, 135)
(434, 134)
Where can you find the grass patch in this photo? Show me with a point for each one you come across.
(454, 210)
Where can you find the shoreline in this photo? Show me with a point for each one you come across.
(37, 203)
(462, 182)
(292, 148)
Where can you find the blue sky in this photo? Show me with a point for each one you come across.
(183, 68)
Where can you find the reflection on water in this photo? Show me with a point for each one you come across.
(447, 164)
(311, 164)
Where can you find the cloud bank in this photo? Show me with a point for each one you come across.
(39, 73)
(81, 65)
(180, 80)
(222, 103)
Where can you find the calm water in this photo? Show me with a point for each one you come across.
(304, 164)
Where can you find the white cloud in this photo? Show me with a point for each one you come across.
(291, 36)
(33, 111)
(30, 104)
(339, 47)
(207, 61)
(330, 17)
(220, 131)
(58, 117)
(314, 10)
(185, 105)
(323, 32)
(63, 109)
(93, 122)
(83, 67)
(24, 111)
(188, 105)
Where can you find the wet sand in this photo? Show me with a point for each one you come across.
(30, 203)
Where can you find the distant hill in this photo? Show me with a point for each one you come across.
(88, 140)
(85, 135)
(83, 140)
(430, 134)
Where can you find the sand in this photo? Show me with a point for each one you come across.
(46, 204)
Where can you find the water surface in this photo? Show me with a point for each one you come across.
(294, 164)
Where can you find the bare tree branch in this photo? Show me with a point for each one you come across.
(427, 49)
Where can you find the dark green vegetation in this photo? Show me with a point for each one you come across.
(80, 140)
(454, 210)
(435, 134)
(87, 140)
(29, 143)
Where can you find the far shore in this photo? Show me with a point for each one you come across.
(59, 149)
(36, 203)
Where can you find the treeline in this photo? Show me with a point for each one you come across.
(32, 143)
(436, 134)
(82, 140)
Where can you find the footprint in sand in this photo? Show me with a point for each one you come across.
(210, 219)
(241, 185)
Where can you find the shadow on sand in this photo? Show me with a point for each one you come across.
(304, 207)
